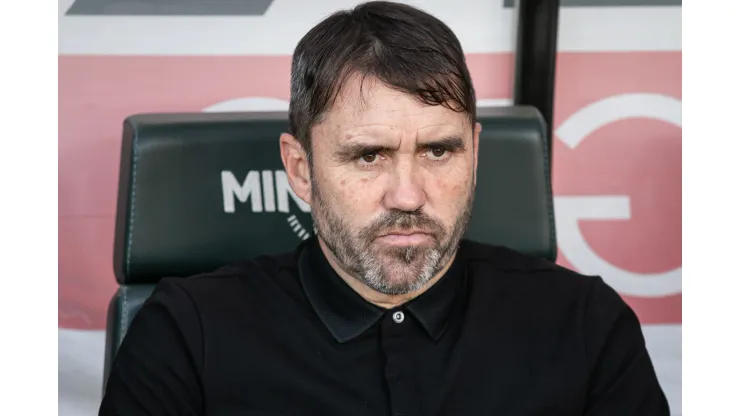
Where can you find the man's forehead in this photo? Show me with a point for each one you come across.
(367, 106)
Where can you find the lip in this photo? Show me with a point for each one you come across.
(405, 238)
(404, 233)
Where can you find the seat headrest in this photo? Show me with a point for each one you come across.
(198, 191)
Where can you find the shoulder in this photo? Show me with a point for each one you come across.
(504, 261)
(539, 283)
(244, 283)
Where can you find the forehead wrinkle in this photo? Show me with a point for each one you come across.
(370, 130)
(438, 125)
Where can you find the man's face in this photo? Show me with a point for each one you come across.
(392, 184)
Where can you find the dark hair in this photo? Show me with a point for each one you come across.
(403, 47)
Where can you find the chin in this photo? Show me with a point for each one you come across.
(399, 273)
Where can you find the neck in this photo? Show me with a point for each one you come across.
(380, 299)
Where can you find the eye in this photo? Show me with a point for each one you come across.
(437, 153)
(370, 157)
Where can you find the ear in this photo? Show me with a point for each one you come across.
(295, 161)
(476, 141)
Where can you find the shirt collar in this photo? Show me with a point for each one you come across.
(347, 315)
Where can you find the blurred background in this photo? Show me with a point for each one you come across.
(616, 136)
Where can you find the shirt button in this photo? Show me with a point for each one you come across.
(398, 317)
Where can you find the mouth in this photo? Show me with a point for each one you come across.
(404, 237)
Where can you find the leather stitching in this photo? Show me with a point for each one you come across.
(550, 207)
(124, 314)
(548, 187)
(132, 205)
(130, 235)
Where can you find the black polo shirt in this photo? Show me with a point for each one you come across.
(501, 333)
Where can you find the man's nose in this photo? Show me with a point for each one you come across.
(405, 191)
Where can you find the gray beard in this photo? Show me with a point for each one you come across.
(375, 268)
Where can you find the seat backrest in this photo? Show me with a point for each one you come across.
(198, 191)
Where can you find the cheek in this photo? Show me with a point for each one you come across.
(358, 194)
(447, 194)
(352, 196)
(452, 182)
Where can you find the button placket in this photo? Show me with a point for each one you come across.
(395, 345)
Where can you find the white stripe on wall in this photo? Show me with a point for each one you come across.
(483, 26)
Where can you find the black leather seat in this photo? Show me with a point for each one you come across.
(198, 191)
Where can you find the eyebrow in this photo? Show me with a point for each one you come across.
(450, 143)
(351, 151)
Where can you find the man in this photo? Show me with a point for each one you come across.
(387, 310)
